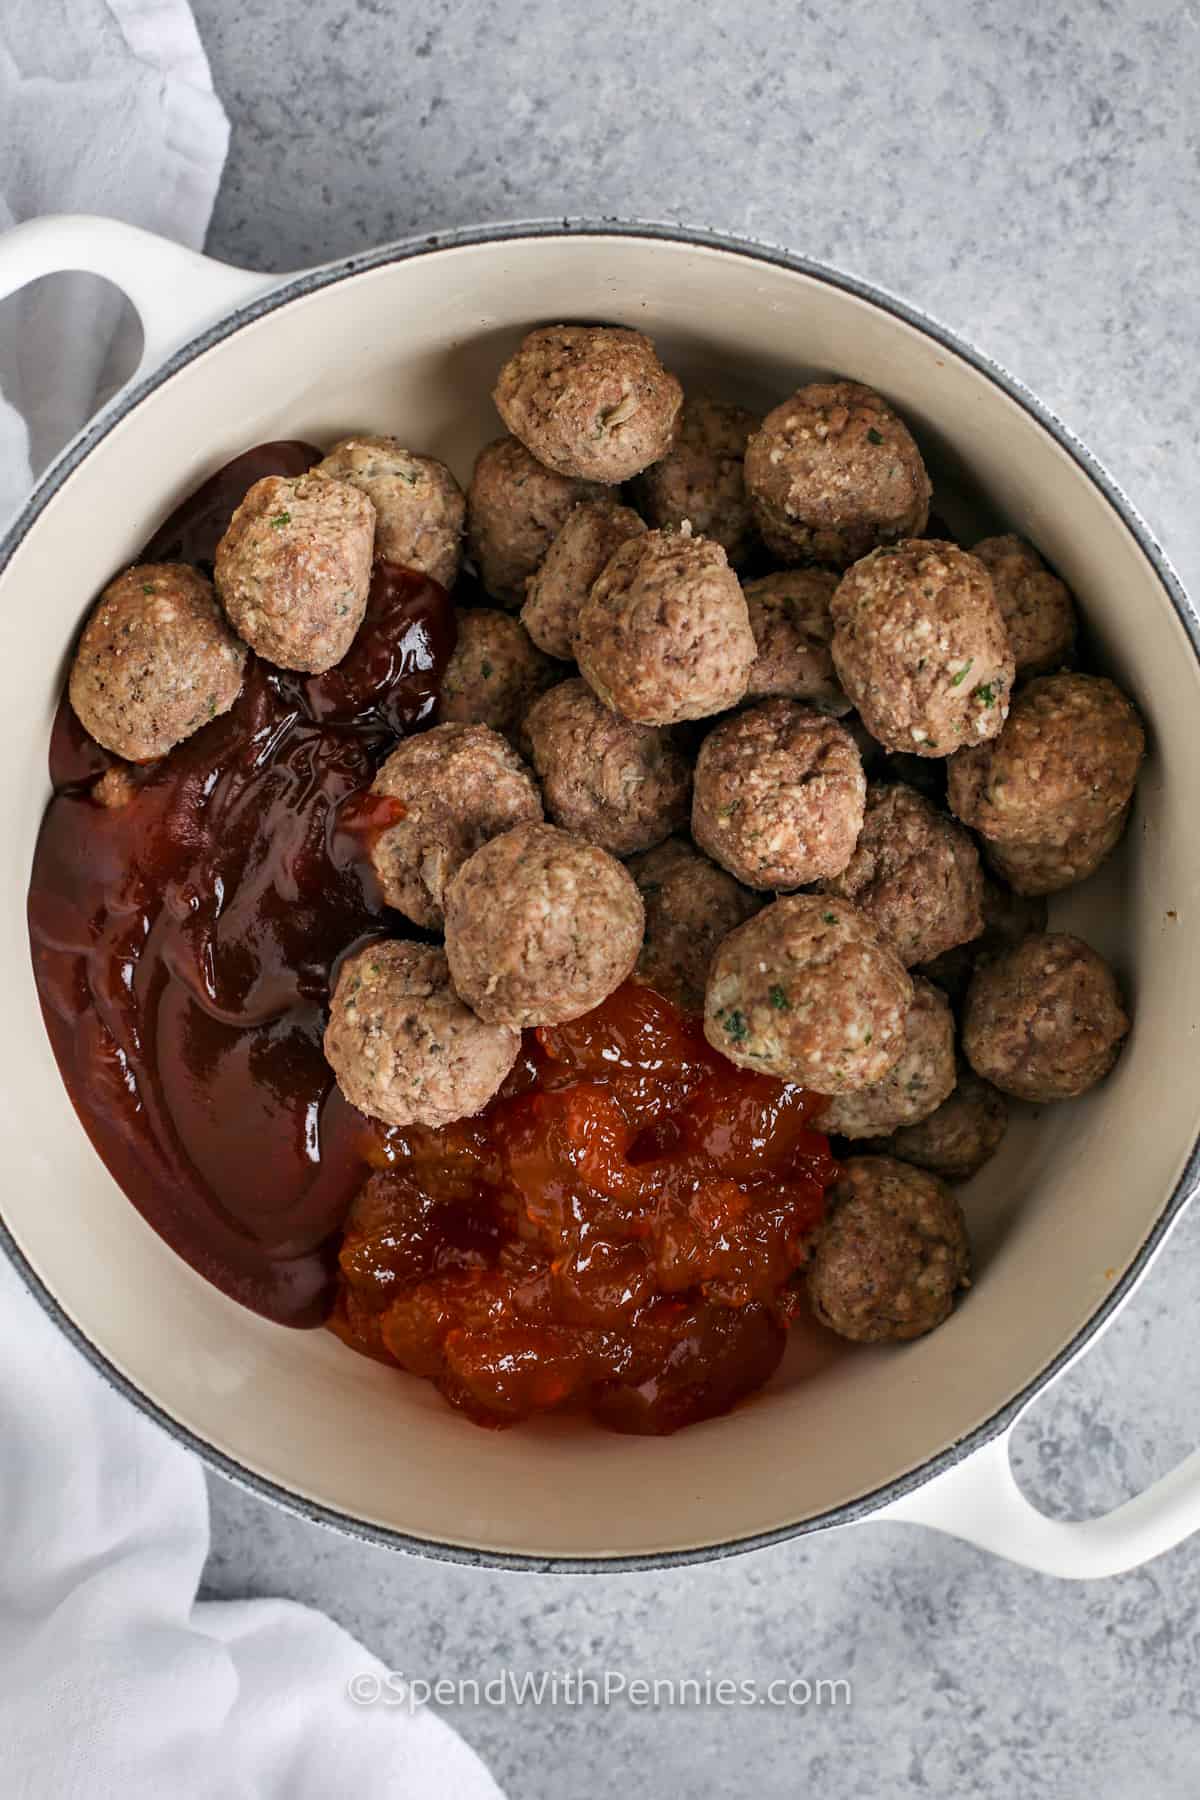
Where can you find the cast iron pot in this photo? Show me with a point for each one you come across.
(1066, 1219)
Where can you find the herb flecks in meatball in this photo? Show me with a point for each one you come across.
(700, 480)
(557, 589)
(515, 510)
(419, 507)
(293, 570)
(921, 649)
(691, 905)
(625, 787)
(1037, 607)
(156, 661)
(1065, 763)
(456, 786)
(832, 473)
(807, 991)
(589, 401)
(403, 1046)
(495, 673)
(1044, 1021)
(960, 1137)
(793, 630)
(916, 1084)
(541, 927)
(915, 873)
(892, 1254)
(664, 634)
(779, 795)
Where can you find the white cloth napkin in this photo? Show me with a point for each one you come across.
(114, 1680)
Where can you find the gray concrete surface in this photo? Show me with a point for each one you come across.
(1028, 175)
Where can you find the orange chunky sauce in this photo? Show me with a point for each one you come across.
(620, 1230)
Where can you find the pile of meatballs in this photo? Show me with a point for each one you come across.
(734, 727)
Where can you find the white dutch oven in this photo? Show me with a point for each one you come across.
(1064, 1221)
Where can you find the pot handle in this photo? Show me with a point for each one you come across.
(176, 292)
(979, 1501)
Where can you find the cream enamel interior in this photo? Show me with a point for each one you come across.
(412, 348)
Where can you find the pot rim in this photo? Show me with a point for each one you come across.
(403, 250)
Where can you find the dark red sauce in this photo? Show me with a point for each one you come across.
(183, 943)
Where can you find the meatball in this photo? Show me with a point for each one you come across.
(403, 1046)
(495, 673)
(807, 991)
(789, 616)
(963, 1134)
(915, 874)
(690, 906)
(1032, 869)
(560, 585)
(294, 569)
(541, 927)
(1044, 1021)
(515, 508)
(1037, 607)
(589, 401)
(779, 795)
(891, 1255)
(419, 507)
(155, 662)
(1064, 764)
(832, 473)
(913, 1087)
(920, 647)
(664, 634)
(701, 478)
(622, 786)
(458, 786)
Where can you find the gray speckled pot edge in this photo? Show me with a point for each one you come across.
(295, 286)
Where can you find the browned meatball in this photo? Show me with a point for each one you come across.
(832, 473)
(419, 507)
(915, 1085)
(891, 1255)
(622, 786)
(700, 479)
(779, 795)
(591, 401)
(921, 649)
(403, 1046)
(1065, 763)
(1036, 605)
(964, 1133)
(789, 616)
(459, 785)
(1044, 1021)
(541, 927)
(690, 906)
(155, 662)
(294, 568)
(495, 673)
(1033, 869)
(515, 508)
(806, 990)
(559, 586)
(664, 634)
(915, 873)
